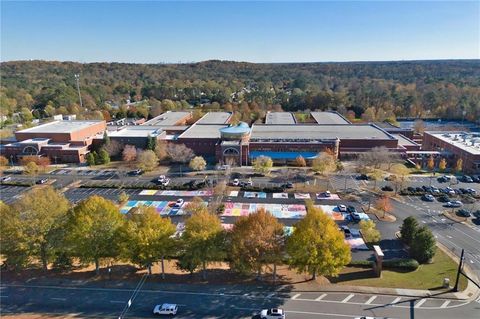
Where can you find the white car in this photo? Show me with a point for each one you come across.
(327, 194)
(455, 203)
(161, 179)
(273, 313)
(165, 309)
(236, 182)
(165, 182)
(342, 208)
(178, 203)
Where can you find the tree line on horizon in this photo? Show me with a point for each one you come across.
(361, 90)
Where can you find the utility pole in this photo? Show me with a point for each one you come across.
(460, 264)
(77, 79)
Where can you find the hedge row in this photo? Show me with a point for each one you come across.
(401, 263)
(17, 183)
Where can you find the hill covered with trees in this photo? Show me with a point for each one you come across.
(368, 90)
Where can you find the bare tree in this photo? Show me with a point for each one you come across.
(114, 148)
(129, 153)
(179, 153)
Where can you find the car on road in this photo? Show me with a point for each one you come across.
(42, 181)
(5, 179)
(346, 231)
(342, 208)
(165, 309)
(455, 203)
(362, 177)
(236, 182)
(161, 178)
(272, 313)
(387, 188)
(135, 172)
(179, 203)
(476, 178)
(428, 198)
(463, 213)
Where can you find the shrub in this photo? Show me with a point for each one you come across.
(409, 229)
(423, 246)
(361, 263)
(401, 263)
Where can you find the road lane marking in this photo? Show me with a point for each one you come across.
(271, 295)
(445, 304)
(321, 297)
(295, 296)
(396, 300)
(369, 301)
(348, 298)
(61, 299)
(117, 301)
(421, 302)
(3, 296)
(319, 313)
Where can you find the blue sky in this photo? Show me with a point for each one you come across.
(153, 32)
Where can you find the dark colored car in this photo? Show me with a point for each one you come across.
(476, 179)
(419, 190)
(387, 188)
(428, 198)
(287, 185)
(443, 199)
(467, 179)
(463, 213)
(362, 177)
(135, 172)
(442, 179)
(411, 189)
(42, 181)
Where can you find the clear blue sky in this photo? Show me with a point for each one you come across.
(152, 32)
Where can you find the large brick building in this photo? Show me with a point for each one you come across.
(453, 146)
(61, 141)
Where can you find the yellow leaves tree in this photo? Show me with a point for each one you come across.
(300, 161)
(400, 176)
(459, 165)
(197, 163)
(95, 226)
(256, 240)
(147, 160)
(369, 231)
(317, 246)
(431, 164)
(324, 163)
(442, 165)
(148, 237)
(202, 242)
(262, 165)
(41, 212)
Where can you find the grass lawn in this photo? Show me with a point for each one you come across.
(428, 276)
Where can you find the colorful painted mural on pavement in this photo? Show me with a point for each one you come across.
(207, 192)
(255, 195)
(278, 210)
(164, 208)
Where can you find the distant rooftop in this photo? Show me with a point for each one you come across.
(469, 142)
(404, 141)
(317, 132)
(168, 118)
(60, 127)
(215, 118)
(329, 118)
(202, 131)
(136, 131)
(386, 125)
(280, 118)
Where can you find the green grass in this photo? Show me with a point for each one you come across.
(428, 276)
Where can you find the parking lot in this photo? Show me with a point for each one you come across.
(11, 193)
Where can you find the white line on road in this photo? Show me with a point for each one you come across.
(445, 304)
(369, 301)
(117, 301)
(350, 296)
(320, 314)
(295, 296)
(3, 296)
(271, 295)
(321, 297)
(61, 299)
(421, 302)
(396, 300)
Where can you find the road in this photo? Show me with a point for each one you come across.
(221, 303)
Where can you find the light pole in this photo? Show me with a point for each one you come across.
(77, 79)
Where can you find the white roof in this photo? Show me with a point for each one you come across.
(60, 127)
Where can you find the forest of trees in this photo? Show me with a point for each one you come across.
(376, 90)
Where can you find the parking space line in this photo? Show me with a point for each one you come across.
(61, 299)
(445, 304)
(295, 296)
(369, 301)
(117, 301)
(348, 298)
(320, 297)
(421, 302)
(396, 300)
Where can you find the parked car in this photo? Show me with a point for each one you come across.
(273, 313)
(476, 179)
(428, 198)
(434, 190)
(346, 231)
(341, 208)
(419, 190)
(467, 179)
(178, 203)
(165, 182)
(411, 189)
(135, 172)
(442, 179)
(42, 181)
(165, 309)
(443, 199)
(471, 191)
(362, 177)
(236, 182)
(5, 179)
(387, 188)
(287, 185)
(449, 190)
(351, 209)
(455, 203)
(326, 194)
(161, 178)
(353, 213)
(463, 213)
